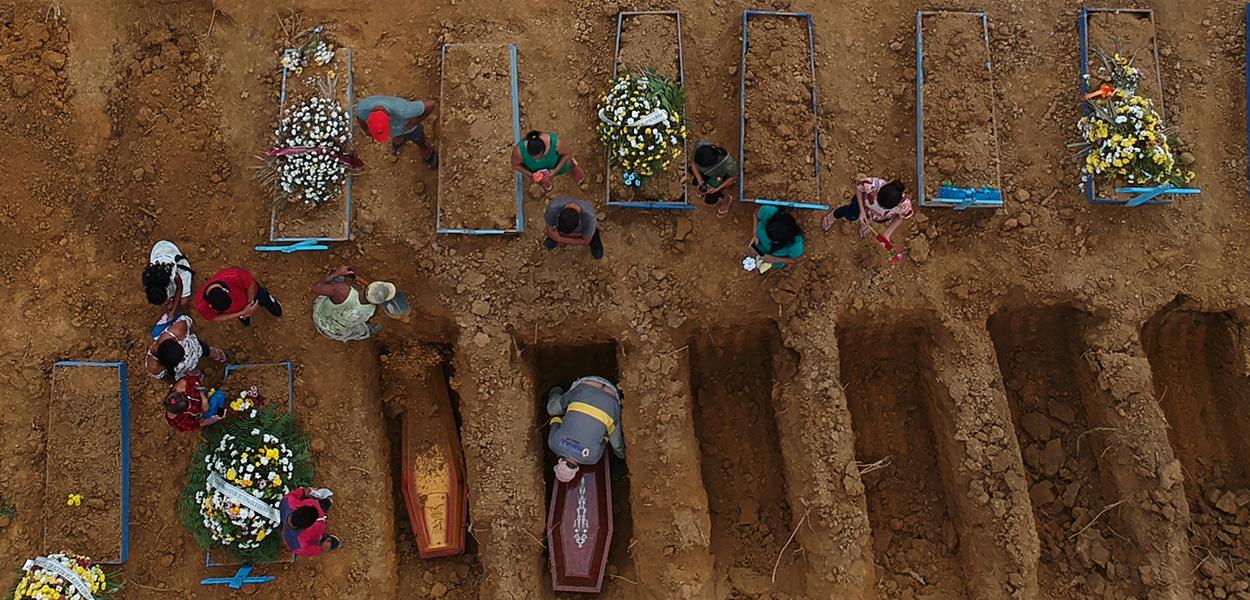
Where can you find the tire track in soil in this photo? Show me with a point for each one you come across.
(732, 376)
(1062, 448)
(915, 538)
(1199, 362)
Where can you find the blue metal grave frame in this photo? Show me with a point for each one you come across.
(742, 110)
(681, 79)
(347, 186)
(516, 135)
(290, 405)
(1139, 195)
(953, 196)
(124, 401)
(241, 578)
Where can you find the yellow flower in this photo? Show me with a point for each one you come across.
(272, 454)
(260, 537)
(74, 500)
(231, 475)
(277, 480)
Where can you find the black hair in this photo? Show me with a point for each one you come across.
(177, 402)
(782, 229)
(534, 144)
(156, 278)
(169, 354)
(890, 194)
(303, 517)
(708, 155)
(569, 220)
(218, 297)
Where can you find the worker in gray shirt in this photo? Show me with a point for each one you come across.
(582, 420)
(572, 222)
(398, 121)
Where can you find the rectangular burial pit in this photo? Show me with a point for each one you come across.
(732, 379)
(893, 394)
(88, 455)
(331, 220)
(1199, 362)
(1049, 385)
(559, 365)
(779, 157)
(479, 121)
(416, 384)
(957, 133)
(651, 40)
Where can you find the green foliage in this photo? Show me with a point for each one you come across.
(7, 508)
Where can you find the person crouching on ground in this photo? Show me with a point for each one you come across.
(338, 312)
(582, 419)
(572, 222)
(234, 293)
(713, 171)
(303, 513)
(189, 406)
(875, 201)
(778, 238)
(176, 351)
(544, 155)
(167, 281)
(398, 121)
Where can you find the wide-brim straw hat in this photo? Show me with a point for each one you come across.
(379, 292)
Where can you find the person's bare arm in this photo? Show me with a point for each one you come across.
(889, 230)
(723, 185)
(331, 285)
(245, 312)
(562, 149)
(517, 165)
(698, 178)
(781, 259)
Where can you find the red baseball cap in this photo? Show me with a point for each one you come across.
(380, 125)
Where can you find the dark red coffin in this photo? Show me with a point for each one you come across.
(579, 530)
(433, 471)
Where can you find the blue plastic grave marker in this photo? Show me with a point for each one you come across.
(347, 185)
(296, 247)
(241, 578)
(1146, 195)
(516, 135)
(742, 110)
(681, 79)
(953, 196)
(124, 401)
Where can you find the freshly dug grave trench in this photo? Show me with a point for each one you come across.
(732, 379)
(1199, 366)
(650, 42)
(476, 184)
(779, 152)
(296, 219)
(891, 392)
(1039, 354)
(404, 382)
(560, 365)
(84, 458)
(960, 146)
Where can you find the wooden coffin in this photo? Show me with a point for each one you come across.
(579, 530)
(433, 471)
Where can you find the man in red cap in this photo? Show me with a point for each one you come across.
(396, 120)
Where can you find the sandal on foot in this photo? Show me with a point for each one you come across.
(723, 211)
(432, 161)
(218, 355)
(826, 223)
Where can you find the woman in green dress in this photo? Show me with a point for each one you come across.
(542, 157)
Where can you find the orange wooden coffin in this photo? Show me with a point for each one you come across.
(579, 530)
(434, 489)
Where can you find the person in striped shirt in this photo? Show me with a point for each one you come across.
(875, 201)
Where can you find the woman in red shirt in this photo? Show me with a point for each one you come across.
(303, 513)
(188, 406)
(233, 293)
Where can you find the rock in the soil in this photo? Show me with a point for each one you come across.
(947, 165)
(95, 503)
(54, 59)
(1023, 196)
(1010, 224)
(1171, 474)
(1052, 458)
(683, 229)
(481, 340)
(1062, 411)
(22, 85)
(438, 590)
(748, 511)
(481, 308)
(1042, 493)
(748, 582)
(1025, 219)
(1187, 158)
(1227, 503)
(5, 522)
(919, 250)
(1037, 425)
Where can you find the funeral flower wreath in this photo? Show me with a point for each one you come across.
(64, 576)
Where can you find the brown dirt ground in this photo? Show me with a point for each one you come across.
(779, 121)
(476, 128)
(84, 458)
(960, 142)
(133, 121)
(650, 41)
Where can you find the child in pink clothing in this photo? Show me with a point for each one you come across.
(876, 201)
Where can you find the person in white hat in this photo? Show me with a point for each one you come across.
(584, 420)
(339, 312)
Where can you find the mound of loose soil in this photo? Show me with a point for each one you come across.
(650, 41)
(779, 154)
(84, 457)
(960, 146)
(296, 219)
(270, 380)
(476, 187)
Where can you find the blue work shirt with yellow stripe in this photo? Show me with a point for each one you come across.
(583, 419)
